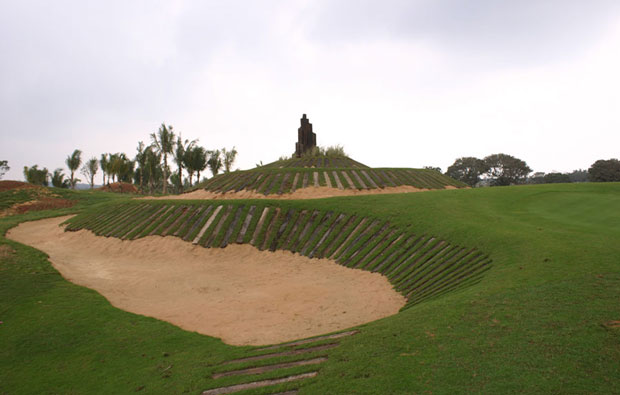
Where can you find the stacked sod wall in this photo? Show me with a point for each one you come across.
(419, 266)
(278, 181)
(317, 162)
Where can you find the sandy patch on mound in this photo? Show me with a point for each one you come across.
(304, 193)
(240, 294)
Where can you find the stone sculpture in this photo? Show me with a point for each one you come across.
(306, 139)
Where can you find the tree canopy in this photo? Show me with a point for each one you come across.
(36, 176)
(58, 179)
(579, 175)
(555, 177)
(4, 167)
(195, 162)
(504, 169)
(163, 141)
(182, 147)
(467, 169)
(73, 163)
(103, 162)
(215, 161)
(89, 170)
(605, 170)
(229, 158)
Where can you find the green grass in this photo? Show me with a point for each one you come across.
(535, 323)
(272, 180)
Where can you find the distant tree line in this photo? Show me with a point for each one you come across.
(503, 169)
(149, 170)
(495, 170)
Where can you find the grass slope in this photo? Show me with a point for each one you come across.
(536, 323)
(270, 181)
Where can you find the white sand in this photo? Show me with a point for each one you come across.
(239, 294)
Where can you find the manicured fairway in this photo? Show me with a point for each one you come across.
(540, 320)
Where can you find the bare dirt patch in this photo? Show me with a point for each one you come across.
(45, 203)
(613, 324)
(240, 294)
(7, 185)
(304, 193)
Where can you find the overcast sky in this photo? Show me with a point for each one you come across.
(400, 83)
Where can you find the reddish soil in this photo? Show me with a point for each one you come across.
(45, 203)
(119, 187)
(7, 185)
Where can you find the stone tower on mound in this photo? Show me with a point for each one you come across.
(306, 139)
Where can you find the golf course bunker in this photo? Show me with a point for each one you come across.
(240, 294)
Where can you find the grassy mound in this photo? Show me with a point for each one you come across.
(272, 181)
(342, 162)
(18, 197)
(339, 172)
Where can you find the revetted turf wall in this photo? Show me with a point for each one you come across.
(319, 161)
(270, 181)
(419, 266)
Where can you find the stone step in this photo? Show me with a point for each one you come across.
(270, 368)
(258, 384)
(312, 340)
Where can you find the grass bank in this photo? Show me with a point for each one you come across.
(539, 321)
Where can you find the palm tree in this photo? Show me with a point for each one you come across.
(215, 161)
(120, 167)
(104, 165)
(189, 165)
(89, 170)
(182, 147)
(73, 163)
(229, 158)
(195, 161)
(112, 167)
(152, 166)
(163, 141)
(58, 179)
(141, 161)
(125, 168)
(199, 161)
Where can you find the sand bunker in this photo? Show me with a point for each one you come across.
(305, 193)
(240, 294)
